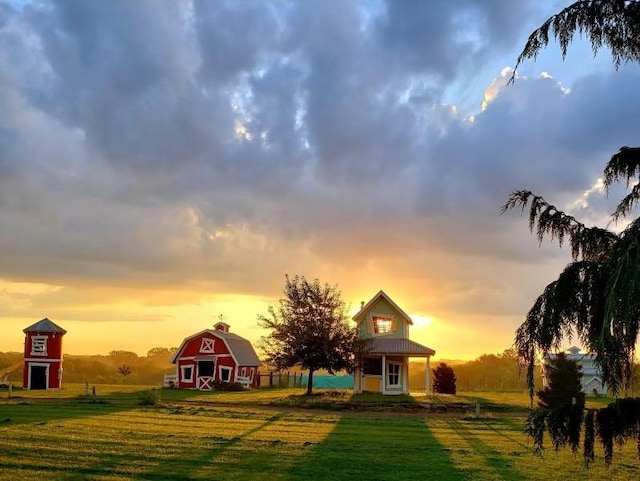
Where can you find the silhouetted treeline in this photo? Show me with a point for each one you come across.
(8, 360)
(99, 369)
(489, 372)
(494, 372)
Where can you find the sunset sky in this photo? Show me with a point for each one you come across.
(163, 163)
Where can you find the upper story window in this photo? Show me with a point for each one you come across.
(206, 345)
(383, 324)
(39, 346)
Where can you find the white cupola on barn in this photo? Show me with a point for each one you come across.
(221, 326)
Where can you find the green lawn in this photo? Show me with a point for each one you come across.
(263, 435)
(500, 401)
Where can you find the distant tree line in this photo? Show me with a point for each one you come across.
(489, 372)
(100, 369)
(493, 372)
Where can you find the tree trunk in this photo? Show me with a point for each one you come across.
(310, 383)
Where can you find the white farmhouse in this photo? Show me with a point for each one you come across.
(591, 376)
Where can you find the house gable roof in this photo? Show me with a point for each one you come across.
(382, 295)
(239, 347)
(45, 325)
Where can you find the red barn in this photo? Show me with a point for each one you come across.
(43, 355)
(215, 355)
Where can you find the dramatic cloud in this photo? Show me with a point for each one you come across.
(156, 156)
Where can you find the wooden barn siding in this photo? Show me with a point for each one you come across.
(193, 347)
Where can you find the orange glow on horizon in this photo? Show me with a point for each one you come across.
(101, 319)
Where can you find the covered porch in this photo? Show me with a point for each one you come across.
(385, 367)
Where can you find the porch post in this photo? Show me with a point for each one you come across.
(405, 376)
(384, 374)
(428, 376)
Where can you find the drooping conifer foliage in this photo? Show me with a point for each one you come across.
(597, 296)
(563, 383)
(560, 405)
(611, 23)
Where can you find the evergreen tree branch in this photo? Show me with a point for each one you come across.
(624, 165)
(614, 23)
(569, 304)
(546, 220)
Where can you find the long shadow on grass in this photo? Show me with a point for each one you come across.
(43, 410)
(493, 406)
(513, 425)
(187, 466)
(494, 460)
(377, 447)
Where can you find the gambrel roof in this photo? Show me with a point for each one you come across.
(239, 347)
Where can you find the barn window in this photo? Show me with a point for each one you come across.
(186, 373)
(206, 345)
(39, 346)
(225, 373)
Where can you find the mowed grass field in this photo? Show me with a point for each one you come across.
(272, 435)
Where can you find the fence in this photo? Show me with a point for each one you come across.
(279, 379)
(291, 379)
(329, 381)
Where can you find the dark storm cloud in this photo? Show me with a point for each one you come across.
(234, 37)
(177, 143)
(440, 36)
(123, 72)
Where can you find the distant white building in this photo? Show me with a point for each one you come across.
(591, 375)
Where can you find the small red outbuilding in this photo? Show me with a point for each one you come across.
(215, 355)
(43, 355)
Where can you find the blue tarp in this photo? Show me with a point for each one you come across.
(328, 381)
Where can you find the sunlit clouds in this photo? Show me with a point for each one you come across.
(164, 163)
(494, 88)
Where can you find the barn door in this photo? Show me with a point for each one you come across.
(38, 377)
(206, 370)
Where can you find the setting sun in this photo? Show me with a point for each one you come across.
(421, 320)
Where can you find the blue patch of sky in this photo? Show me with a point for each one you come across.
(466, 91)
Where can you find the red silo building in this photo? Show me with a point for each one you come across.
(43, 355)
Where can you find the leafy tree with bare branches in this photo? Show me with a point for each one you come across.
(309, 327)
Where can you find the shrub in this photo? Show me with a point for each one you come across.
(227, 386)
(149, 398)
(444, 379)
